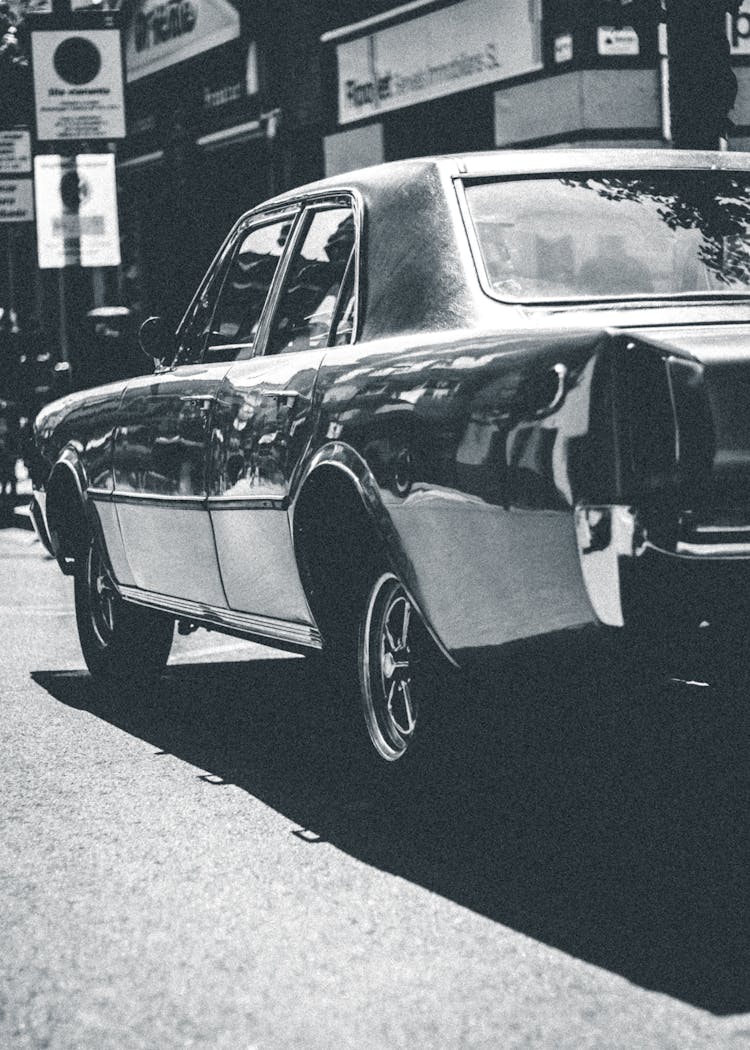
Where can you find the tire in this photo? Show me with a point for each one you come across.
(124, 645)
(384, 665)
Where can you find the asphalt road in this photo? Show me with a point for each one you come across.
(200, 868)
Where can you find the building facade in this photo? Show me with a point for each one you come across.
(231, 101)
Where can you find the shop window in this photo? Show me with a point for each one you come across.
(313, 283)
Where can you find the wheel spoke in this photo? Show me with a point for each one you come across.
(405, 625)
(409, 709)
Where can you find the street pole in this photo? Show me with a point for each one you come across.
(64, 341)
(702, 86)
(11, 273)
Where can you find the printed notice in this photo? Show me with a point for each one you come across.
(15, 151)
(78, 90)
(76, 206)
(16, 200)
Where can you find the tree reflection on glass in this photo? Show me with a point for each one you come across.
(714, 203)
(620, 235)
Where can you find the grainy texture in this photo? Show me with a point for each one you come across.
(191, 870)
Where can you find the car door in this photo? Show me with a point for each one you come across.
(264, 418)
(162, 442)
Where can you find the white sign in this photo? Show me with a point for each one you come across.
(76, 209)
(15, 152)
(161, 33)
(78, 87)
(463, 46)
(564, 48)
(611, 41)
(738, 30)
(16, 200)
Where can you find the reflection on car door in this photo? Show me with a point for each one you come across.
(160, 482)
(162, 443)
(264, 419)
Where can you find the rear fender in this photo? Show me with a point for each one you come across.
(349, 464)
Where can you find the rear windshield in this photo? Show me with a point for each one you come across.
(606, 236)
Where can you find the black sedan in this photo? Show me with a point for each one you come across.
(417, 412)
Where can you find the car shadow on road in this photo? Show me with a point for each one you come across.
(606, 819)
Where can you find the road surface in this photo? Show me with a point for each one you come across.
(196, 869)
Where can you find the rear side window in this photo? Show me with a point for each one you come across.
(315, 284)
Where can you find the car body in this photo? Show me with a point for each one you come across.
(441, 404)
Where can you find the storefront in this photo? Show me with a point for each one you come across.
(199, 148)
(432, 76)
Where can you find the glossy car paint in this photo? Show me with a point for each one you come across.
(491, 443)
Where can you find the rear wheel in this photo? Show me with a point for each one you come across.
(390, 661)
(123, 644)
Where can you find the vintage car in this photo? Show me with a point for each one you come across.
(420, 411)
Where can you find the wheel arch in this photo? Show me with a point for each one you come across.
(342, 529)
(66, 510)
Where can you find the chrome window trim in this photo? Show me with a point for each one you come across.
(247, 624)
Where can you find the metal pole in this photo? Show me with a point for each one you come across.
(666, 112)
(11, 273)
(64, 345)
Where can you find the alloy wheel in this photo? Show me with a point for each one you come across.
(387, 668)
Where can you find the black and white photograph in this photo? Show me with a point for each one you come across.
(375, 524)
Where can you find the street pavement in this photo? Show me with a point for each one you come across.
(204, 867)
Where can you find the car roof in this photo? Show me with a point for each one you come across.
(521, 162)
(417, 272)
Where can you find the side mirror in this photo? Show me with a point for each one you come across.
(156, 340)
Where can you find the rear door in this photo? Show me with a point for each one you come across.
(264, 418)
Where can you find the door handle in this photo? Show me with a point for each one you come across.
(202, 404)
(287, 398)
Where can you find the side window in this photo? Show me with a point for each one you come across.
(235, 320)
(313, 282)
(191, 336)
(343, 324)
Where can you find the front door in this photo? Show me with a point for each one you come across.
(160, 482)
(163, 439)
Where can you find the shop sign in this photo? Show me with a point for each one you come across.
(15, 151)
(466, 45)
(78, 90)
(76, 208)
(610, 41)
(162, 32)
(564, 48)
(738, 30)
(16, 201)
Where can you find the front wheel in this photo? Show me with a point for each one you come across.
(123, 644)
(391, 659)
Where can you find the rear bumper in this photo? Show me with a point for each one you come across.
(702, 573)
